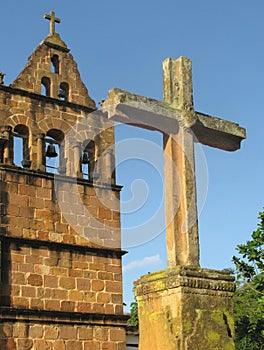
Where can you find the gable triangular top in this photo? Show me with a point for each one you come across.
(52, 71)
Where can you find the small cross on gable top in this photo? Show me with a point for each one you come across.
(51, 17)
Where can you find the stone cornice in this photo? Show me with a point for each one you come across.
(185, 277)
(59, 177)
(9, 314)
(47, 99)
(59, 246)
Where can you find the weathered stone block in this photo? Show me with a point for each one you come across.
(186, 308)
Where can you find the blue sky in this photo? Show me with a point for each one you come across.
(122, 44)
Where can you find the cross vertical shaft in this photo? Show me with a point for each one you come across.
(179, 172)
(51, 17)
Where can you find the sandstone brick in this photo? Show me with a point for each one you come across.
(85, 333)
(59, 271)
(67, 282)
(37, 304)
(17, 257)
(40, 344)
(60, 294)
(89, 297)
(108, 346)
(117, 335)
(41, 292)
(80, 264)
(42, 235)
(67, 306)
(6, 331)
(41, 252)
(50, 261)
(35, 280)
(13, 210)
(75, 273)
(67, 332)
(117, 298)
(104, 213)
(8, 344)
(27, 212)
(68, 239)
(59, 227)
(113, 287)
(20, 302)
(121, 346)
(103, 297)
(113, 268)
(83, 284)
(84, 307)
(33, 259)
(109, 309)
(52, 304)
(73, 345)
(28, 291)
(105, 275)
(119, 310)
(97, 266)
(59, 345)
(98, 285)
(26, 190)
(51, 281)
(36, 332)
(75, 295)
(101, 333)
(43, 193)
(91, 345)
(20, 330)
(98, 308)
(41, 269)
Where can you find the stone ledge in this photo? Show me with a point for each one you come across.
(47, 99)
(58, 177)
(9, 314)
(186, 277)
(99, 251)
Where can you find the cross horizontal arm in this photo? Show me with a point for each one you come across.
(218, 133)
(148, 113)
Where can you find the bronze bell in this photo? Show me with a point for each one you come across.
(85, 158)
(62, 94)
(51, 151)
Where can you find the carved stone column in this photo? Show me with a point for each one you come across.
(41, 159)
(9, 146)
(77, 159)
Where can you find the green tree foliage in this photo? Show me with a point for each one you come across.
(249, 296)
(133, 321)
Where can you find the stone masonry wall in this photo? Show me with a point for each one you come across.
(60, 337)
(30, 209)
(45, 279)
(60, 245)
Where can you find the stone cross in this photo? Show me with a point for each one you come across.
(51, 17)
(181, 126)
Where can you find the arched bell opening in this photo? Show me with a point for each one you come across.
(88, 159)
(63, 92)
(55, 64)
(21, 147)
(45, 86)
(55, 160)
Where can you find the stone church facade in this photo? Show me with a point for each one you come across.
(61, 271)
(61, 257)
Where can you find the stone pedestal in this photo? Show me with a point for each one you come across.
(186, 308)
